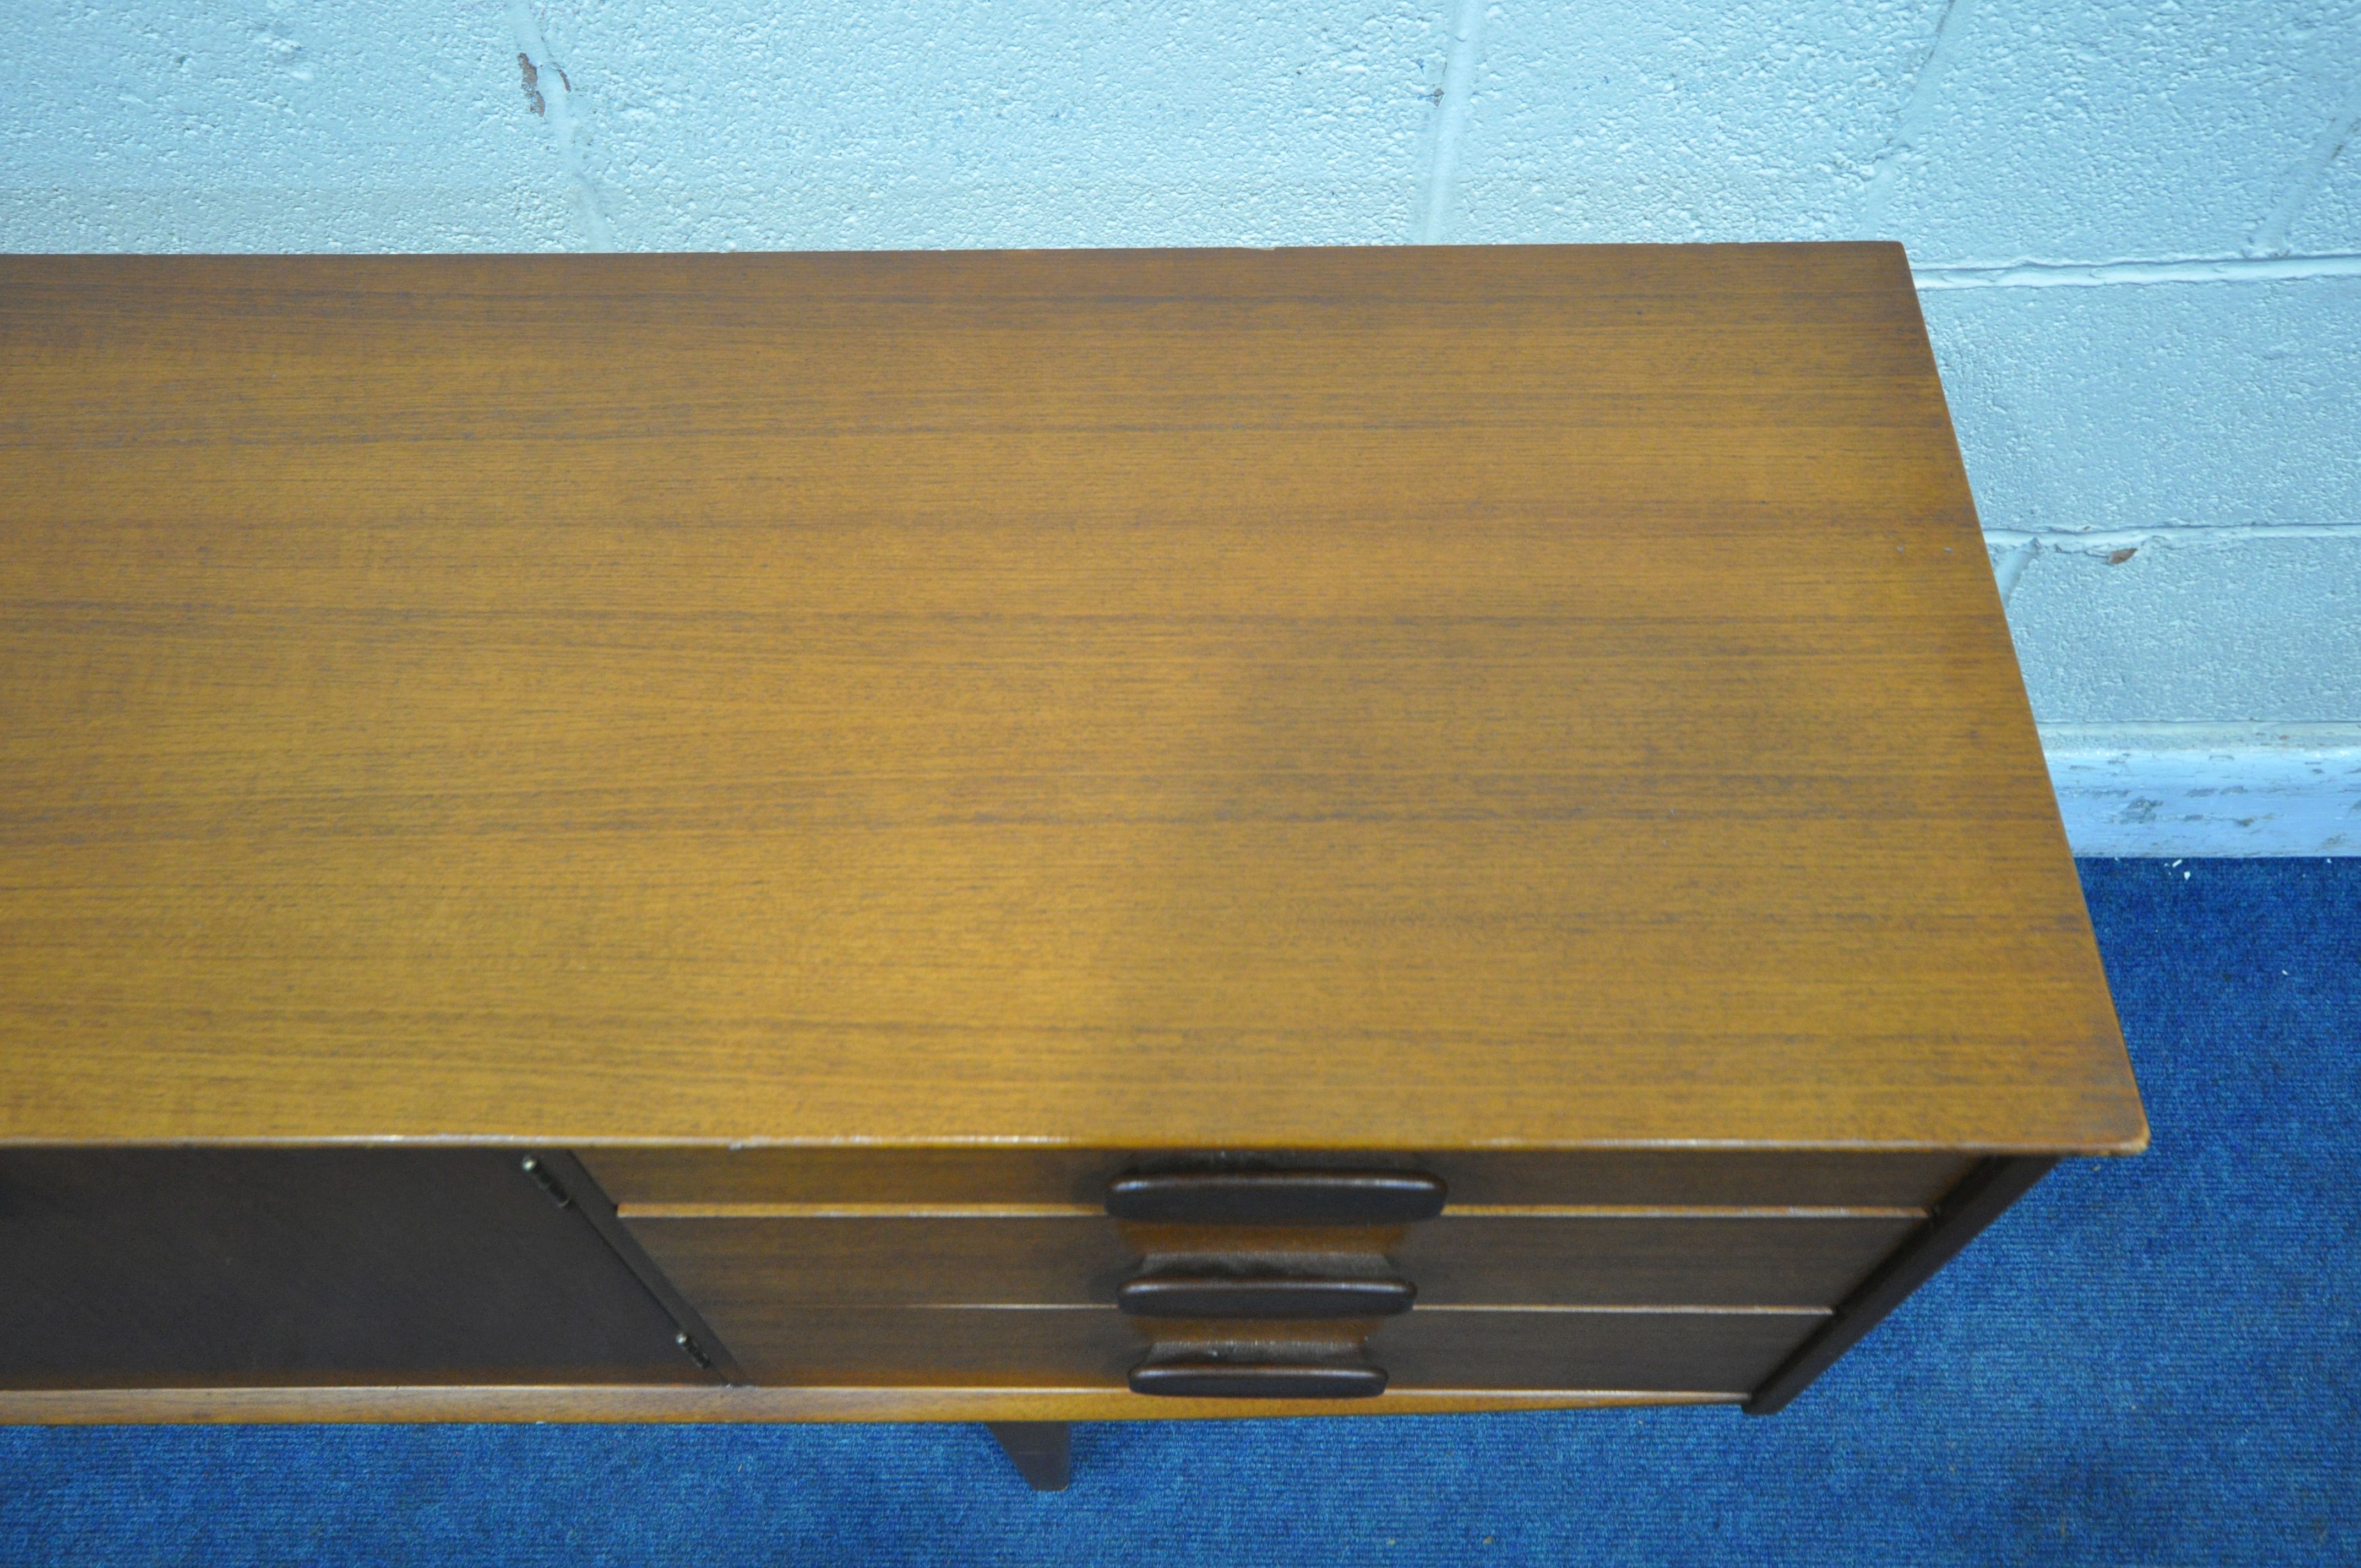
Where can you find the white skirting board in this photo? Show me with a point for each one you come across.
(2207, 789)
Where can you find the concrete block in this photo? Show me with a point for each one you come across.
(1683, 121)
(2215, 628)
(726, 124)
(184, 125)
(2328, 223)
(2100, 131)
(2166, 405)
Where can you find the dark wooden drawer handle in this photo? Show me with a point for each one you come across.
(1276, 1196)
(1263, 1296)
(1257, 1380)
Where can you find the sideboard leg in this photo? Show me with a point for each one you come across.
(1043, 1451)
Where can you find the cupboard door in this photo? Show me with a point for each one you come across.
(194, 1267)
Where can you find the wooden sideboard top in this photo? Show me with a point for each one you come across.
(1412, 698)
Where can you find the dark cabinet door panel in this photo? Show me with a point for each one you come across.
(167, 1267)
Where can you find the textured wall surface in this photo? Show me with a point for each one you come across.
(2137, 228)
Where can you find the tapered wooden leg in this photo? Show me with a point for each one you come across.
(1043, 1451)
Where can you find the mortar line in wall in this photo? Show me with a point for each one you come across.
(2100, 274)
(1886, 171)
(1459, 95)
(551, 93)
(2107, 540)
(2271, 236)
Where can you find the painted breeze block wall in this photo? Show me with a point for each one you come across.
(2136, 230)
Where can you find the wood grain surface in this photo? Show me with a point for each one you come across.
(1432, 698)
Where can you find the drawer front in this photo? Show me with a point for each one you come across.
(1572, 1350)
(1079, 1258)
(1640, 1260)
(899, 1261)
(1669, 1179)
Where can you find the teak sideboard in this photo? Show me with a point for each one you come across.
(1017, 837)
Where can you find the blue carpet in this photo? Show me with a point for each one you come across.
(2153, 1361)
